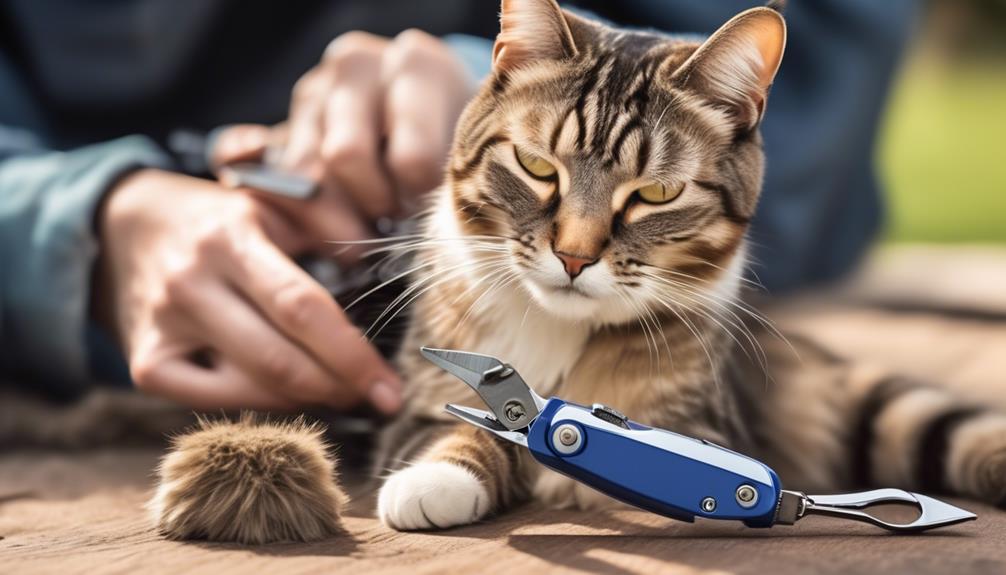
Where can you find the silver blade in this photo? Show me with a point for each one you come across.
(511, 401)
(933, 513)
(468, 367)
(486, 421)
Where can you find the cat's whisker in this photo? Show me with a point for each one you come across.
(506, 277)
(704, 280)
(671, 306)
(655, 320)
(527, 310)
(448, 274)
(480, 216)
(370, 241)
(655, 328)
(740, 305)
(386, 283)
(392, 258)
(501, 267)
(710, 314)
(488, 241)
(418, 289)
(645, 330)
(407, 248)
(704, 311)
(760, 357)
(692, 294)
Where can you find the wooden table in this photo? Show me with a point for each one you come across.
(81, 510)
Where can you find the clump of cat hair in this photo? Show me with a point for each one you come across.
(250, 482)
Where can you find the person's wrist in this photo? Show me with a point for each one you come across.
(118, 206)
(125, 197)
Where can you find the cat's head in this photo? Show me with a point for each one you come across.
(622, 166)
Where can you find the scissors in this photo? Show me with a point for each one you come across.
(655, 469)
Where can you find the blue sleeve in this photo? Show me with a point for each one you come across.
(475, 52)
(47, 248)
(48, 243)
(822, 204)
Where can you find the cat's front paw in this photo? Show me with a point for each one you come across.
(430, 495)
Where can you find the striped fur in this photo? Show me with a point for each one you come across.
(654, 323)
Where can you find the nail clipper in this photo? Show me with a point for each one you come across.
(655, 469)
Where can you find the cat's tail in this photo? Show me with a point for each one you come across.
(249, 481)
(926, 439)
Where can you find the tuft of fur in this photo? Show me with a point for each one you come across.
(250, 482)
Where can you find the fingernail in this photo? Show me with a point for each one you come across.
(385, 397)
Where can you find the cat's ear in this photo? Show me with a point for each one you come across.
(531, 30)
(735, 67)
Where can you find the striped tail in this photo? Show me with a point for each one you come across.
(926, 439)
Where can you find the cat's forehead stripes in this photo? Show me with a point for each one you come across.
(611, 121)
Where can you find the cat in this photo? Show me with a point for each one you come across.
(591, 232)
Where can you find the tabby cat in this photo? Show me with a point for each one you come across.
(591, 231)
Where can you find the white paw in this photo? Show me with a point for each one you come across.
(431, 495)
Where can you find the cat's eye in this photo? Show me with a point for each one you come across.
(659, 193)
(537, 166)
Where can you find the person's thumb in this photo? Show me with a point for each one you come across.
(239, 143)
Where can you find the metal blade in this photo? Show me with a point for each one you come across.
(936, 513)
(933, 513)
(468, 367)
(512, 402)
(486, 421)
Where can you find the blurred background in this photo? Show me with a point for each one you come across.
(943, 146)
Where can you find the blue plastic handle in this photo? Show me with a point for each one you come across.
(654, 469)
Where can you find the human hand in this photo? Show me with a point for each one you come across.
(211, 311)
(372, 123)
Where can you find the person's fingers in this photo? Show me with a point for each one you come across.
(240, 143)
(324, 225)
(163, 361)
(351, 147)
(307, 314)
(425, 92)
(281, 219)
(304, 127)
(221, 386)
(335, 226)
(242, 336)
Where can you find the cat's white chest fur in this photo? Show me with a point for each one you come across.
(540, 346)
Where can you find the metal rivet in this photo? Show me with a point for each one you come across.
(747, 496)
(566, 438)
(708, 505)
(513, 410)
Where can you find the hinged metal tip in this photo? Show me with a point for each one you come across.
(486, 421)
(511, 401)
(933, 513)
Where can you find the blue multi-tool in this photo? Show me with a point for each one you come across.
(654, 469)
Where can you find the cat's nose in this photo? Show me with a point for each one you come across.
(574, 264)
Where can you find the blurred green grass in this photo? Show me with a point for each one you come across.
(942, 154)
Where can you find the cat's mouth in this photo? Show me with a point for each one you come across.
(571, 289)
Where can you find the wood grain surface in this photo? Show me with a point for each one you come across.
(81, 511)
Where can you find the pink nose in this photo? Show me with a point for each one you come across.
(573, 264)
